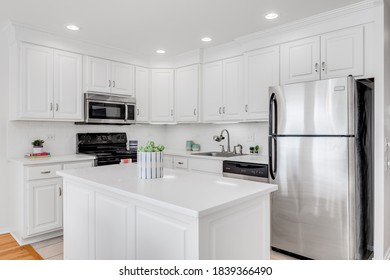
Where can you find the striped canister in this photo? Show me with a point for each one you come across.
(150, 165)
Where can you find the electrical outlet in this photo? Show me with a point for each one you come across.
(251, 137)
(50, 137)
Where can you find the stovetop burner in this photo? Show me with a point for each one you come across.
(109, 148)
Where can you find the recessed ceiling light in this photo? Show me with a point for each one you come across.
(160, 51)
(206, 39)
(271, 16)
(73, 27)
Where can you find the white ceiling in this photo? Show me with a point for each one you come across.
(143, 26)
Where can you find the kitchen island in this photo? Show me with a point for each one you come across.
(109, 213)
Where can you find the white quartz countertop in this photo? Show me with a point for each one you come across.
(190, 193)
(52, 159)
(245, 158)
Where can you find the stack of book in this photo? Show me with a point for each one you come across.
(38, 155)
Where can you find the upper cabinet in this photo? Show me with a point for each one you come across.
(261, 72)
(142, 94)
(223, 93)
(186, 93)
(334, 54)
(50, 85)
(109, 76)
(162, 96)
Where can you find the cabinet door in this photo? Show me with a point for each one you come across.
(122, 78)
(300, 61)
(36, 84)
(233, 91)
(142, 94)
(261, 72)
(44, 205)
(99, 75)
(186, 93)
(67, 85)
(162, 95)
(212, 91)
(342, 53)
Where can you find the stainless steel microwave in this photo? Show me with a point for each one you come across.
(109, 109)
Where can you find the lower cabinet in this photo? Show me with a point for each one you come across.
(193, 164)
(37, 193)
(44, 205)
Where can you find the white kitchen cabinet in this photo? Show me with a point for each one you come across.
(261, 72)
(142, 94)
(193, 163)
(44, 205)
(186, 93)
(180, 162)
(335, 54)
(222, 96)
(342, 53)
(300, 61)
(50, 85)
(36, 82)
(212, 91)
(233, 91)
(37, 193)
(68, 95)
(109, 76)
(162, 95)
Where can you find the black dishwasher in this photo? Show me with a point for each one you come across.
(246, 171)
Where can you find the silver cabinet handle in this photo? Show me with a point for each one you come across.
(45, 172)
(180, 162)
(51, 106)
(113, 83)
(137, 112)
(323, 65)
(171, 112)
(223, 109)
(246, 108)
(220, 108)
(109, 83)
(60, 192)
(56, 106)
(195, 112)
(316, 67)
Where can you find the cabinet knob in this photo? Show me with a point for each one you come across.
(171, 112)
(246, 108)
(195, 112)
(316, 67)
(45, 172)
(109, 83)
(220, 110)
(51, 106)
(57, 107)
(113, 83)
(223, 109)
(137, 112)
(60, 189)
(323, 65)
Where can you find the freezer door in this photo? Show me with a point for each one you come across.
(310, 208)
(314, 108)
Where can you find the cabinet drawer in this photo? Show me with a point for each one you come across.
(205, 165)
(181, 162)
(42, 171)
(76, 165)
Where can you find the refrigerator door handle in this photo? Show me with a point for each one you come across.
(273, 115)
(272, 156)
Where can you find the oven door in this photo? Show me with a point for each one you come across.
(105, 112)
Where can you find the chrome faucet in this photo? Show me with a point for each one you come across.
(220, 138)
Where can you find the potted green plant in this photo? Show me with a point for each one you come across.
(251, 150)
(37, 146)
(150, 161)
(257, 148)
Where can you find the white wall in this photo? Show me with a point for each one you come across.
(4, 207)
(177, 135)
(22, 133)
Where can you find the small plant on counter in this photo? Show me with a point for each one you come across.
(251, 150)
(38, 143)
(151, 147)
(257, 149)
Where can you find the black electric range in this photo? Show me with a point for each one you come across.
(109, 148)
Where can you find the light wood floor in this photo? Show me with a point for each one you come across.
(52, 249)
(11, 250)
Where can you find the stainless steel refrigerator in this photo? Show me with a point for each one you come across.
(320, 156)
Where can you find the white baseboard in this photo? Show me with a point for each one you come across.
(4, 230)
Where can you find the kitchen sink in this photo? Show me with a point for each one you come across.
(217, 154)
